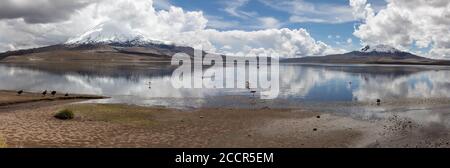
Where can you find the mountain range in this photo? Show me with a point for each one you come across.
(378, 54)
(133, 49)
(100, 45)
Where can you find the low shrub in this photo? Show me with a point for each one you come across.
(65, 115)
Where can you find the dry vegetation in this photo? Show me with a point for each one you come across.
(3, 142)
(116, 113)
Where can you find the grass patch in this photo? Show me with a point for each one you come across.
(65, 115)
(116, 113)
(3, 142)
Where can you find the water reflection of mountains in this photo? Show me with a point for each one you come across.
(160, 69)
(391, 71)
(130, 72)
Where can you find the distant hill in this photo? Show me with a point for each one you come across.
(134, 47)
(101, 43)
(380, 54)
(134, 50)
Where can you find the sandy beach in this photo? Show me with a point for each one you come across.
(27, 121)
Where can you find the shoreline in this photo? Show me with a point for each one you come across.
(30, 97)
(25, 125)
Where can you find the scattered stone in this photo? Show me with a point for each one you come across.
(315, 129)
(318, 116)
(202, 117)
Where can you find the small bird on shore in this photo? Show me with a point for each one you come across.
(19, 92)
(378, 101)
(253, 92)
(44, 93)
(53, 93)
(149, 85)
(67, 94)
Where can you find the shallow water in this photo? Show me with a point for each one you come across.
(300, 85)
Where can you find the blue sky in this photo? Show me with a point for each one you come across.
(243, 14)
(287, 28)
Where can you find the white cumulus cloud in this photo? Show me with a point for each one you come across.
(403, 23)
(168, 23)
(361, 10)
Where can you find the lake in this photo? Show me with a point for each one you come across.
(335, 88)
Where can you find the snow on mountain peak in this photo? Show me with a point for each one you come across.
(379, 48)
(107, 33)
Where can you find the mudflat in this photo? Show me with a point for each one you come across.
(32, 124)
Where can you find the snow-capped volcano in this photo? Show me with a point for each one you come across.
(107, 33)
(379, 54)
(379, 48)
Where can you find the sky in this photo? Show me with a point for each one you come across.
(330, 21)
(284, 28)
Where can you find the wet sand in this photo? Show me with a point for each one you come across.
(32, 124)
(174, 128)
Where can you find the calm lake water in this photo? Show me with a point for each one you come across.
(343, 90)
(299, 85)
